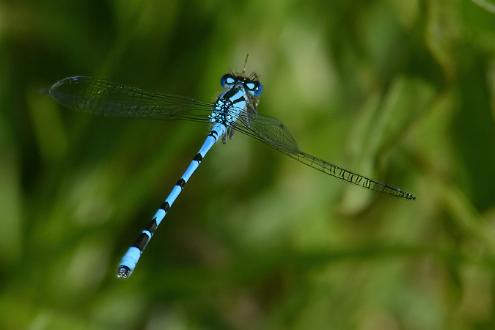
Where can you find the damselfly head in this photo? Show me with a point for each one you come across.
(251, 83)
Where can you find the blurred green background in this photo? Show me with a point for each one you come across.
(402, 91)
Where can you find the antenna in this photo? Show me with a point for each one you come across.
(245, 63)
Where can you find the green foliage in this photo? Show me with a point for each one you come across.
(402, 91)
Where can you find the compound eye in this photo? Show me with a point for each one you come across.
(254, 87)
(227, 80)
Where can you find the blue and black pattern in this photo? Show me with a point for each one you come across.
(234, 110)
(131, 257)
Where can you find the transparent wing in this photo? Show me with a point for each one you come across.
(102, 97)
(272, 132)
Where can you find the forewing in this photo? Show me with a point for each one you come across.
(102, 97)
(273, 133)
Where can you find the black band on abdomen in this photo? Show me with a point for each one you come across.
(181, 183)
(141, 241)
